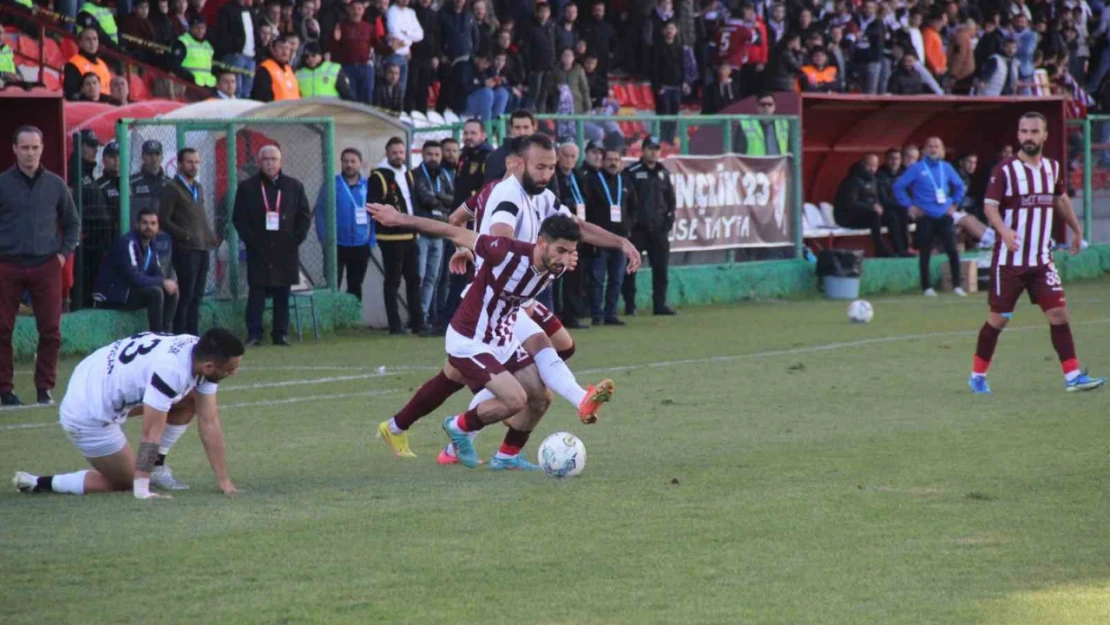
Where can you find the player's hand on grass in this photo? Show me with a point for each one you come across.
(460, 260)
(1010, 239)
(384, 214)
(227, 487)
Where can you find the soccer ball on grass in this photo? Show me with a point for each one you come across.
(860, 311)
(562, 454)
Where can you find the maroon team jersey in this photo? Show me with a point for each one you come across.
(506, 279)
(476, 204)
(1024, 196)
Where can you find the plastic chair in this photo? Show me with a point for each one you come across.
(51, 80)
(53, 52)
(436, 119)
(302, 293)
(139, 91)
(647, 96)
(29, 48)
(69, 48)
(451, 117)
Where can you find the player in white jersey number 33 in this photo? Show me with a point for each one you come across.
(167, 379)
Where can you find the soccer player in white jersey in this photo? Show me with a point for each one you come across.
(1023, 195)
(482, 341)
(515, 208)
(163, 377)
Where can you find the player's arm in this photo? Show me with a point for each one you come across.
(212, 437)
(996, 188)
(154, 422)
(595, 235)
(460, 217)
(388, 216)
(1061, 204)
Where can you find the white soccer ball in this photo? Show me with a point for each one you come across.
(562, 455)
(860, 311)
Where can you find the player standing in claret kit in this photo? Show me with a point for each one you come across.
(1024, 193)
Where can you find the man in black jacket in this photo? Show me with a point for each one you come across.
(522, 123)
(599, 35)
(393, 185)
(570, 300)
(857, 202)
(721, 93)
(868, 57)
(610, 204)
(473, 160)
(652, 224)
(424, 64)
(233, 39)
(435, 196)
(667, 79)
(539, 57)
(146, 192)
(895, 216)
(272, 217)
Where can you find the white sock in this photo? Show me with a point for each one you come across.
(502, 456)
(393, 428)
(1071, 375)
(72, 483)
(978, 375)
(481, 396)
(557, 377)
(170, 436)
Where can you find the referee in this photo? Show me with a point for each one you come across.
(931, 190)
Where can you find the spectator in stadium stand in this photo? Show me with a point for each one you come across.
(295, 49)
(905, 79)
(287, 23)
(857, 202)
(319, 78)
(777, 25)
(599, 35)
(305, 23)
(507, 78)
(870, 38)
(764, 137)
(161, 17)
(272, 217)
(183, 217)
(720, 93)
(656, 21)
(108, 183)
(895, 216)
(990, 39)
(85, 61)
(9, 73)
(961, 57)
(1000, 73)
(591, 163)
(352, 44)
(598, 81)
(39, 229)
(785, 68)
(119, 91)
(392, 184)
(471, 172)
(434, 197)
(138, 24)
(404, 28)
(197, 62)
(425, 62)
(667, 78)
(179, 17)
(566, 30)
(570, 299)
(90, 90)
(146, 192)
(101, 18)
(936, 59)
(270, 15)
(610, 204)
(389, 94)
(353, 228)
(1027, 47)
(130, 277)
(651, 225)
(450, 163)
(275, 79)
(806, 25)
(538, 47)
(570, 79)
(931, 189)
(487, 25)
(818, 75)
(522, 123)
(227, 85)
(835, 47)
(234, 40)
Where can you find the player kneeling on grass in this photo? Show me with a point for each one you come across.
(165, 378)
(481, 341)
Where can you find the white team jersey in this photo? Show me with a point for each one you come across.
(147, 368)
(510, 204)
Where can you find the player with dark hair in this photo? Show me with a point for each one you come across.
(482, 341)
(1023, 195)
(514, 208)
(167, 379)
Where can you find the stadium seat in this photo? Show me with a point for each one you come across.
(634, 99)
(69, 48)
(417, 116)
(621, 94)
(29, 48)
(54, 56)
(139, 91)
(405, 119)
(436, 119)
(451, 117)
(51, 80)
(647, 97)
(827, 214)
(11, 39)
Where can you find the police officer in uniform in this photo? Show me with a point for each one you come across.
(95, 236)
(146, 192)
(652, 225)
(108, 182)
(321, 79)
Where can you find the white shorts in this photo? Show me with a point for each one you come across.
(478, 362)
(525, 327)
(96, 442)
(459, 346)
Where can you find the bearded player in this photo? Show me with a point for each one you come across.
(482, 341)
(1024, 193)
(165, 378)
(515, 207)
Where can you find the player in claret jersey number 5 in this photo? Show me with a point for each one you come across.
(1023, 195)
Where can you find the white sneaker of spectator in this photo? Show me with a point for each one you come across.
(930, 293)
(959, 292)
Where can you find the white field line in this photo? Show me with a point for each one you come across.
(812, 349)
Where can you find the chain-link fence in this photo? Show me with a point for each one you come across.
(228, 151)
(1089, 160)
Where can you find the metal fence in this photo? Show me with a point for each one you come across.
(1089, 164)
(228, 151)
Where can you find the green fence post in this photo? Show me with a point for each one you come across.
(1088, 195)
(726, 136)
(655, 127)
(124, 142)
(232, 238)
(796, 193)
(180, 135)
(683, 140)
(579, 131)
(330, 254)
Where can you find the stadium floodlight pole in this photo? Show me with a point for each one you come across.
(1088, 201)
(124, 143)
(796, 183)
(331, 253)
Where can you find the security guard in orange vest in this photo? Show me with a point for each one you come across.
(819, 76)
(275, 79)
(84, 62)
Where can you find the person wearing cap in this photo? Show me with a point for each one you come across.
(198, 53)
(39, 229)
(591, 163)
(321, 79)
(184, 218)
(86, 60)
(108, 183)
(275, 78)
(146, 192)
(92, 207)
(651, 225)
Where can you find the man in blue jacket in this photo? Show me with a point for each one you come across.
(354, 232)
(931, 190)
(130, 276)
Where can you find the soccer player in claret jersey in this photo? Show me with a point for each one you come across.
(482, 338)
(165, 378)
(1023, 195)
(513, 207)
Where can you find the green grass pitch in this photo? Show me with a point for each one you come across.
(761, 463)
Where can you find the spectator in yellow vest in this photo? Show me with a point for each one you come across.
(94, 15)
(319, 78)
(85, 61)
(197, 61)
